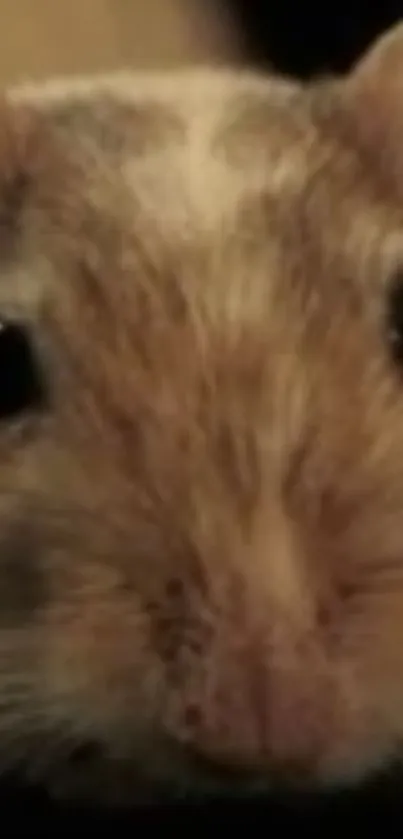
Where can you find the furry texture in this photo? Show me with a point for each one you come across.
(209, 514)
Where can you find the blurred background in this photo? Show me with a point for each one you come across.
(46, 37)
(43, 37)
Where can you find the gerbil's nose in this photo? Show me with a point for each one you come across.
(253, 725)
(263, 699)
(267, 710)
(229, 725)
(261, 696)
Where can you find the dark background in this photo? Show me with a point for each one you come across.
(309, 37)
(304, 39)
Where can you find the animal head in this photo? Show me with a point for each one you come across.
(201, 484)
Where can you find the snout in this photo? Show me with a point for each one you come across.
(254, 720)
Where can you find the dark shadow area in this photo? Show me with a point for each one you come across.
(307, 37)
(22, 809)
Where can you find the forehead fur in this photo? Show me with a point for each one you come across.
(194, 217)
(194, 145)
(175, 158)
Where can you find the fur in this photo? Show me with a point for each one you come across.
(209, 512)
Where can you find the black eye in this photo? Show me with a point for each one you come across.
(395, 318)
(21, 388)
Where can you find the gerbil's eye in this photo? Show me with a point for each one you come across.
(20, 382)
(395, 317)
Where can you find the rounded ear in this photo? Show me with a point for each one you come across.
(373, 91)
(26, 168)
(381, 67)
(21, 152)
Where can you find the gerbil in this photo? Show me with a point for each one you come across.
(201, 500)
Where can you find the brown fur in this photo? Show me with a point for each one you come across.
(206, 523)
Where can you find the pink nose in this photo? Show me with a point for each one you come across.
(227, 729)
(256, 718)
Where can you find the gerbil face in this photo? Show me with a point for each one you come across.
(201, 502)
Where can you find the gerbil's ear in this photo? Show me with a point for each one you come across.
(374, 91)
(382, 65)
(22, 140)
